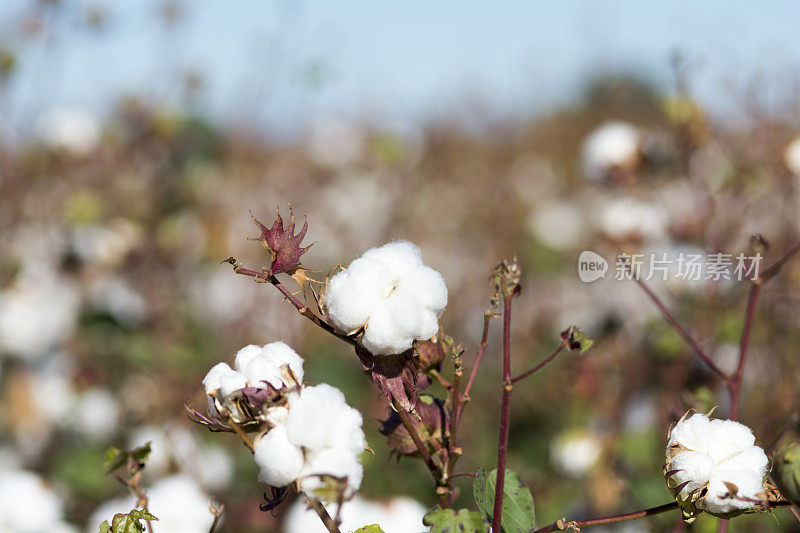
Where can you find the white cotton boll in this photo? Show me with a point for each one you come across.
(427, 286)
(693, 467)
(791, 156)
(752, 458)
(748, 484)
(279, 461)
(613, 144)
(348, 435)
(399, 256)
(277, 415)
(559, 225)
(213, 468)
(623, 218)
(213, 379)
(727, 437)
(383, 336)
(330, 462)
(314, 415)
(281, 354)
(353, 294)
(37, 314)
(245, 355)
(27, 503)
(180, 505)
(260, 369)
(692, 433)
(575, 453)
(728, 447)
(230, 383)
(96, 414)
(73, 130)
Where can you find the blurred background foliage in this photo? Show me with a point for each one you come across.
(113, 304)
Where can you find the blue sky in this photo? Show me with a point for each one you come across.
(395, 60)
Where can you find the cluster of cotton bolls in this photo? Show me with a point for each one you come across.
(313, 436)
(390, 293)
(177, 501)
(398, 515)
(705, 456)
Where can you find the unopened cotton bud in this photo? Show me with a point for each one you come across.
(279, 461)
(787, 471)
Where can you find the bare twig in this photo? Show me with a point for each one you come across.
(329, 522)
(667, 314)
(541, 365)
(505, 415)
(560, 525)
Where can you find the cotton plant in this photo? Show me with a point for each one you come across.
(387, 305)
(715, 466)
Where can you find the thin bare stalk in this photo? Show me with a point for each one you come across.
(560, 525)
(301, 308)
(505, 415)
(735, 383)
(541, 365)
(329, 522)
(436, 472)
(239, 431)
(487, 317)
(667, 314)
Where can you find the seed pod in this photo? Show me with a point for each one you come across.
(786, 465)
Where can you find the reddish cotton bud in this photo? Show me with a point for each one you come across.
(282, 243)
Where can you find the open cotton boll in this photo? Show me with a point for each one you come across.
(613, 144)
(279, 461)
(27, 504)
(748, 484)
(260, 369)
(705, 455)
(791, 156)
(692, 433)
(314, 415)
(213, 378)
(399, 256)
(694, 468)
(180, 505)
(281, 354)
(348, 435)
(392, 293)
(230, 383)
(727, 437)
(245, 355)
(330, 462)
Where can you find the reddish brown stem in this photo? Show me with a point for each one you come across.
(667, 314)
(505, 416)
(560, 525)
(735, 383)
(487, 317)
(301, 308)
(444, 501)
(330, 523)
(540, 365)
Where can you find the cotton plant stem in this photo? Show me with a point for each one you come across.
(301, 308)
(329, 522)
(505, 415)
(239, 431)
(560, 525)
(668, 316)
(541, 365)
(735, 383)
(436, 472)
(487, 317)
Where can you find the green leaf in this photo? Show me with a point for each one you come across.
(115, 458)
(518, 515)
(127, 523)
(449, 521)
(374, 528)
